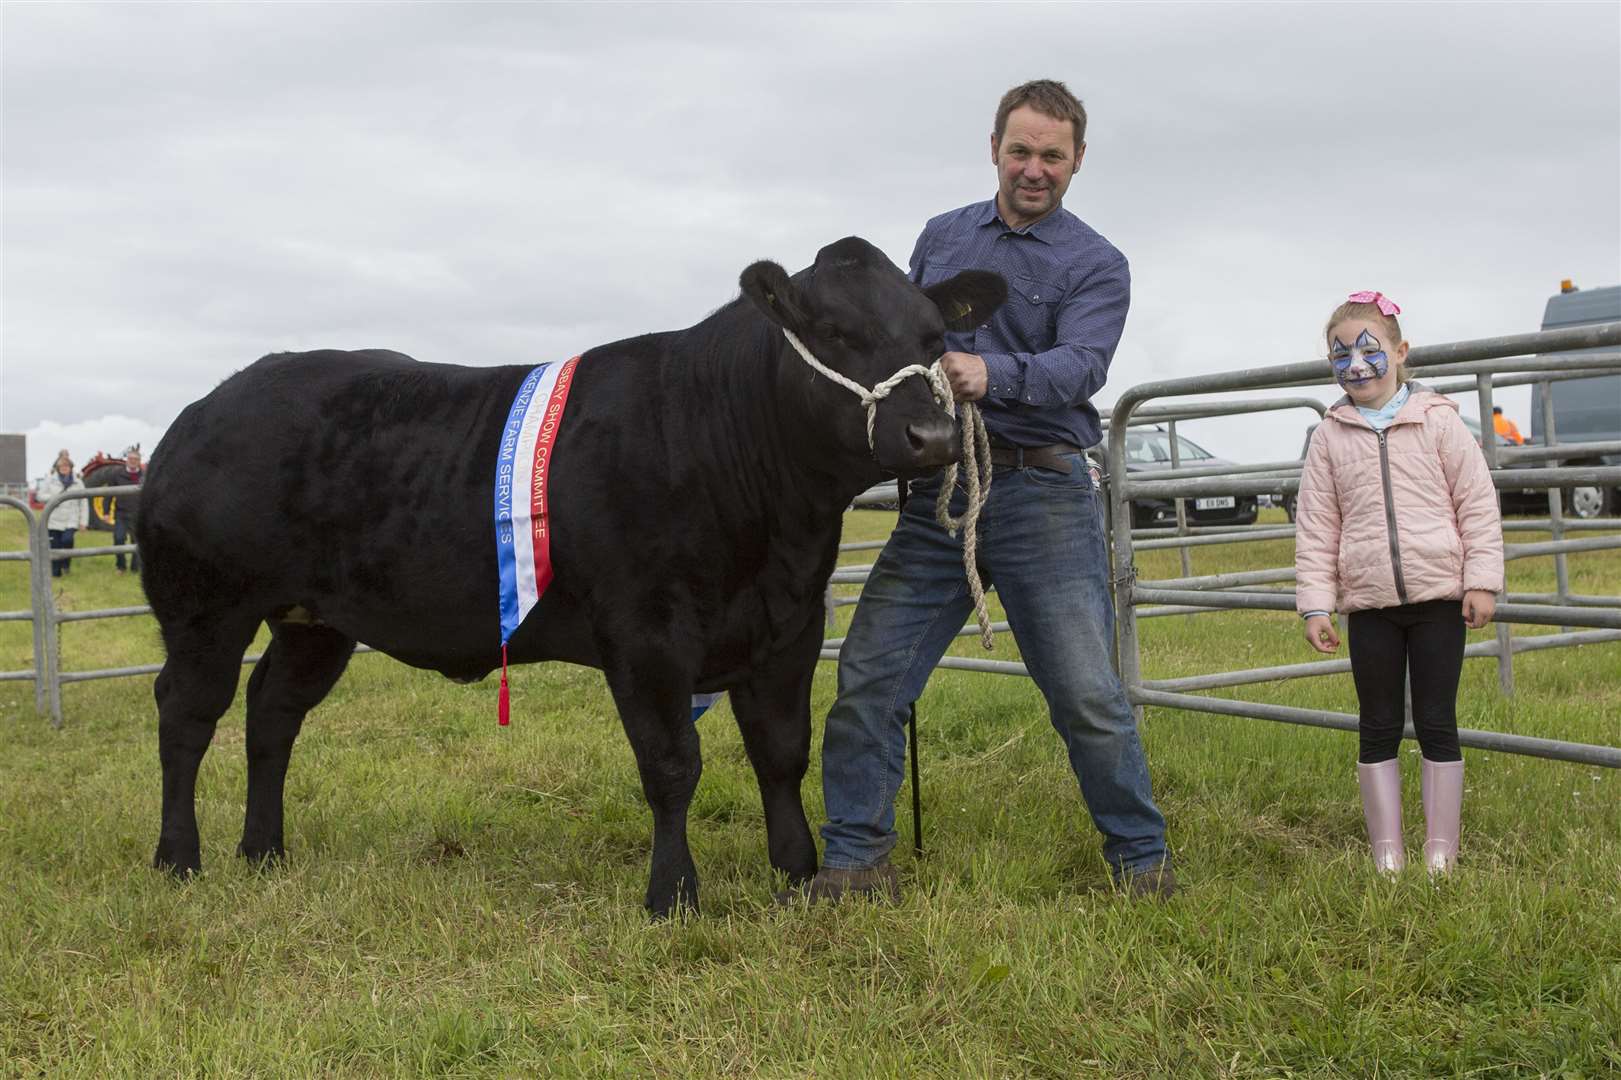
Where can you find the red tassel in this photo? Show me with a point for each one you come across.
(503, 708)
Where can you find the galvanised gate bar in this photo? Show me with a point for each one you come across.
(47, 673)
(1598, 617)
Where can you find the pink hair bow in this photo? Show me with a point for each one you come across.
(1386, 304)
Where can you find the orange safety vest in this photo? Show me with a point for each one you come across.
(1505, 427)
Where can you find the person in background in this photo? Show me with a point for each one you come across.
(1397, 524)
(125, 507)
(1505, 427)
(69, 516)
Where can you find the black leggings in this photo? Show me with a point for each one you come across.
(1425, 642)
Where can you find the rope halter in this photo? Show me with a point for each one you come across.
(976, 457)
(871, 398)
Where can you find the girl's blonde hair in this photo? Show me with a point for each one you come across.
(1370, 312)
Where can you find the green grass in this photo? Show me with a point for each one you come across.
(462, 900)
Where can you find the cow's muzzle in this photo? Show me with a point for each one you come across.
(931, 444)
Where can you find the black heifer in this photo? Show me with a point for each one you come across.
(697, 491)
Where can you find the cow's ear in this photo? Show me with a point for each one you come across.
(968, 299)
(767, 284)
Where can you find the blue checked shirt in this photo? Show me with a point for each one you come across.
(1047, 350)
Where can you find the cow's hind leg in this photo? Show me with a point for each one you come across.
(655, 706)
(198, 680)
(773, 714)
(295, 673)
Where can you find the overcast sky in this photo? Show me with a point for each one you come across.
(188, 187)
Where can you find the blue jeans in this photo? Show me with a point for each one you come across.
(124, 533)
(61, 540)
(1041, 544)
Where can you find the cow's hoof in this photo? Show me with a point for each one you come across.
(680, 912)
(180, 868)
(798, 888)
(682, 904)
(262, 856)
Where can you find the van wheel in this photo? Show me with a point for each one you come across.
(1590, 501)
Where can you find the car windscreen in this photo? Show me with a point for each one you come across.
(1150, 447)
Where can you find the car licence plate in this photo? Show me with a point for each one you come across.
(1218, 502)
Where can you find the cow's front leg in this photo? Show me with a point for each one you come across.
(773, 714)
(655, 705)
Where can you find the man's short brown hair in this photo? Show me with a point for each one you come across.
(1047, 96)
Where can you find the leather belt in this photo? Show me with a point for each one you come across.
(1035, 457)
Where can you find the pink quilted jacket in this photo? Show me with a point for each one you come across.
(1395, 519)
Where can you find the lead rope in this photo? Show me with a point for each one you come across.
(976, 460)
(976, 463)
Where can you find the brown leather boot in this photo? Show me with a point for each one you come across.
(1150, 882)
(879, 884)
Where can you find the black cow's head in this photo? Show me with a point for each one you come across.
(859, 315)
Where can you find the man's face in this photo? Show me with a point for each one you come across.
(1035, 160)
(132, 462)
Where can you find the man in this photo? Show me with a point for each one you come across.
(1506, 427)
(125, 508)
(1032, 370)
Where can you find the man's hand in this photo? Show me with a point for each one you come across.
(966, 374)
(1478, 605)
(1320, 634)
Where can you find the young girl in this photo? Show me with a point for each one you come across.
(1397, 525)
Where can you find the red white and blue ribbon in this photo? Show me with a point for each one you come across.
(523, 549)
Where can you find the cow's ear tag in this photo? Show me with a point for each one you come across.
(970, 297)
(767, 286)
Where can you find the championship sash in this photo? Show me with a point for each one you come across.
(523, 535)
(523, 551)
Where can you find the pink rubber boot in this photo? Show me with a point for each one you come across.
(1443, 813)
(1381, 806)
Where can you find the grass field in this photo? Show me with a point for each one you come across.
(463, 900)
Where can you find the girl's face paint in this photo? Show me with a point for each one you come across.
(1361, 362)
